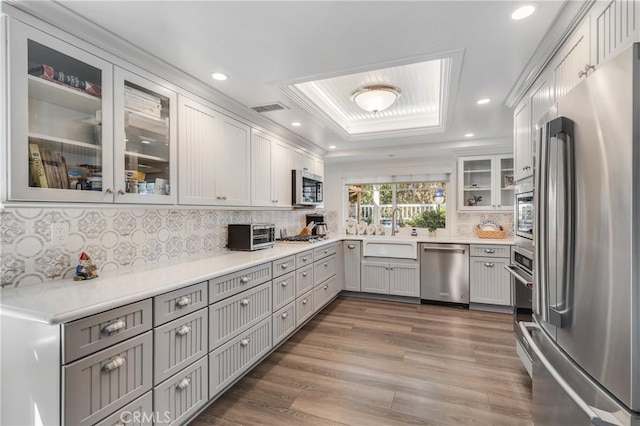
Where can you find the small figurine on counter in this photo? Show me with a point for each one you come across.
(85, 270)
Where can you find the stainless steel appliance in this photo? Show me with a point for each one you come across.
(521, 270)
(524, 215)
(306, 188)
(586, 300)
(444, 272)
(250, 236)
(320, 221)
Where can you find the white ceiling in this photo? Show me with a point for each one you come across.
(266, 45)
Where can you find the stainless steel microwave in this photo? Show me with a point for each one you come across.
(306, 188)
(250, 236)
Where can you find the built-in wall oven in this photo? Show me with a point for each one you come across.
(521, 270)
(524, 215)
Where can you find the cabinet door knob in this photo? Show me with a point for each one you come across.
(244, 302)
(244, 280)
(284, 283)
(121, 192)
(245, 341)
(114, 326)
(326, 264)
(326, 251)
(285, 314)
(304, 258)
(109, 191)
(305, 301)
(325, 287)
(489, 265)
(284, 266)
(304, 274)
(351, 246)
(185, 329)
(224, 197)
(183, 301)
(498, 205)
(490, 251)
(114, 363)
(184, 383)
(218, 198)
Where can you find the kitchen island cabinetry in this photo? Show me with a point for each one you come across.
(489, 283)
(400, 277)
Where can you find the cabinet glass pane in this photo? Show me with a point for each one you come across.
(146, 156)
(65, 133)
(477, 182)
(507, 182)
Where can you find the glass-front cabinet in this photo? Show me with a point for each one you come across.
(84, 130)
(61, 121)
(145, 135)
(485, 183)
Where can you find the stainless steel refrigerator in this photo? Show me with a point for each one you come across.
(586, 329)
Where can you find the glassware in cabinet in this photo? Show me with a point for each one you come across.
(145, 134)
(57, 153)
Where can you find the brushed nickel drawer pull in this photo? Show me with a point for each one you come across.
(284, 283)
(304, 258)
(326, 264)
(244, 280)
(245, 341)
(351, 246)
(184, 383)
(114, 363)
(284, 315)
(185, 329)
(489, 265)
(305, 301)
(183, 301)
(304, 274)
(325, 287)
(284, 266)
(490, 251)
(326, 251)
(112, 327)
(244, 302)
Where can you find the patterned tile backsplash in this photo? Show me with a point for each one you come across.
(116, 238)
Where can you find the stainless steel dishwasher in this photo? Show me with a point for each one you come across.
(444, 272)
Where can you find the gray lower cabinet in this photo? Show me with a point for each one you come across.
(304, 307)
(235, 357)
(283, 322)
(304, 280)
(172, 305)
(352, 255)
(324, 268)
(284, 290)
(138, 413)
(178, 344)
(284, 265)
(234, 283)
(323, 293)
(237, 313)
(375, 277)
(489, 282)
(97, 385)
(182, 395)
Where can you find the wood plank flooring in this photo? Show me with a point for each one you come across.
(366, 362)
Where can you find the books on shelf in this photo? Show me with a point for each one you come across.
(48, 170)
(37, 167)
(47, 72)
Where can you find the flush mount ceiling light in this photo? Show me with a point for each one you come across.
(332, 147)
(483, 101)
(375, 97)
(296, 124)
(523, 12)
(469, 135)
(219, 76)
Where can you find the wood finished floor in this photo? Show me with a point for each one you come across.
(366, 362)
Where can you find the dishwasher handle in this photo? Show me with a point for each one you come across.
(444, 247)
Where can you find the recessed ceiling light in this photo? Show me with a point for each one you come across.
(483, 101)
(219, 76)
(296, 124)
(145, 142)
(523, 12)
(469, 135)
(332, 147)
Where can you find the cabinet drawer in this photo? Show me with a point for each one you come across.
(230, 284)
(284, 265)
(304, 280)
(106, 381)
(88, 335)
(182, 395)
(303, 259)
(304, 307)
(175, 304)
(488, 250)
(284, 290)
(283, 322)
(324, 251)
(489, 282)
(236, 356)
(138, 413)
(179, 343)
(236, 314)
(323, 269)
(323, 293)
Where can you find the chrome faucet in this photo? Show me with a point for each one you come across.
(394, 221)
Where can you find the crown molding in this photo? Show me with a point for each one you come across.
(563, 25)
(62, 22)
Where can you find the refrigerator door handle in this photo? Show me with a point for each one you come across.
(540, 302)
(598, 417)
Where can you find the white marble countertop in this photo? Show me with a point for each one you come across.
(426, 239)
(56, 302)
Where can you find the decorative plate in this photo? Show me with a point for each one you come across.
(489, 225)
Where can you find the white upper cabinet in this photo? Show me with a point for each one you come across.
(303, 161)
(214, 160)
(573, 62)
(614, 26)
(281, 173)
(486, 183)
(145, 133)
(522, 141)
(271, 164)
(61, 110)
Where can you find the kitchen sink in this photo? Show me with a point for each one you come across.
(388, 247)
